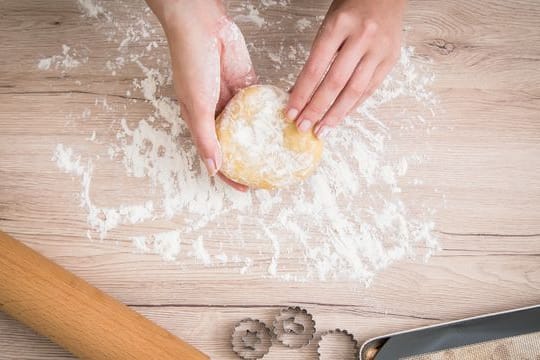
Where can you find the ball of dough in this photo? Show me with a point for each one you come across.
(260, 148)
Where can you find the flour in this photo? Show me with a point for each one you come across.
(252, 16)
(68, 60)
(91, 8)
(100, 219)
(166, 244)
(202, 255)
(276, 250)
(303, 24)
(45, 64)
(348, 221)
(268, 3)
(86, 114)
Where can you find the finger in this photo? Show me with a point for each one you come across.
(234, 184)
(202, 126)
(334, 81)
(225, 94)
(350, 95)
(196, 78)
(323, 51)
(378, 77)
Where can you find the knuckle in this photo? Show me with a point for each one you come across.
(332, 120)
(314, 110)
(297, 99)
(356, 89)
(371, 27)
(370, 91)
(343, 18)
(205, 143)
(339, 23)
(313, 69)
(336, 81)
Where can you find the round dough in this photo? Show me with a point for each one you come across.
(260, 148)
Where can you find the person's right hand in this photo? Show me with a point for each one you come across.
(210, 63)
(356, 47)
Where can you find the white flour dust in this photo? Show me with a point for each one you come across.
(100, 219)
(167, 244)
(348, 221)
(69, 59)
(252, 16)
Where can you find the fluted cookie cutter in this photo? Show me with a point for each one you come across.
(251, 339)
(337, 343)
(294, 327)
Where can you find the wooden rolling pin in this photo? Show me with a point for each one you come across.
(76, 315)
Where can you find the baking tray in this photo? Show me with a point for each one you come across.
(450, 336)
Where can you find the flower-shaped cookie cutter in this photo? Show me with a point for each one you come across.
(251, 339)
(294, 327)
(337, 343)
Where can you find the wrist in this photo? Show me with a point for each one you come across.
(185, 14)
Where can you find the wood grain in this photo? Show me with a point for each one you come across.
(484, 157)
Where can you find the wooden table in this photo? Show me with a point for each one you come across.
(486, 162)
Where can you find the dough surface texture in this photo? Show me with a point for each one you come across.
(260, 148)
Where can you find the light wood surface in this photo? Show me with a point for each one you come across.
(484, 158)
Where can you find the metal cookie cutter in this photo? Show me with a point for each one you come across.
(337, 344)
(294, 327)
(251, 339)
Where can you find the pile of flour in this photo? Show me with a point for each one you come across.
(348, 221)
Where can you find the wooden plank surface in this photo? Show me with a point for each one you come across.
(485, 159)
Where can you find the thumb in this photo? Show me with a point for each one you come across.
(203, 132)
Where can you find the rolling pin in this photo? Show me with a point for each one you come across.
(77, 316)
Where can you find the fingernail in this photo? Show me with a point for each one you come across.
(211, 166)
(323, 131)
(292, 114)
(304, 125)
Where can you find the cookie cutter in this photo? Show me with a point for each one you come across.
(294, 327)
(338, 337)
(251, 339)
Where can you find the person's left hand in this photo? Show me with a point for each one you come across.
(356, 47)
(210, 63)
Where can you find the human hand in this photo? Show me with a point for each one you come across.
(356, 47)
(210, 62)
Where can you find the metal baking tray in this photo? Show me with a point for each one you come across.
(453, 334)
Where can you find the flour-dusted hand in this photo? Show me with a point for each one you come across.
(356, 47)
(210, 62)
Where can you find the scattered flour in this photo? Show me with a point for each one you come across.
(99, 219)
(202, 255)
(268, 3)
(303, 24)
(348, 221)
(166, 244)
(252, 16)
(69, 59)
(91, 8)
